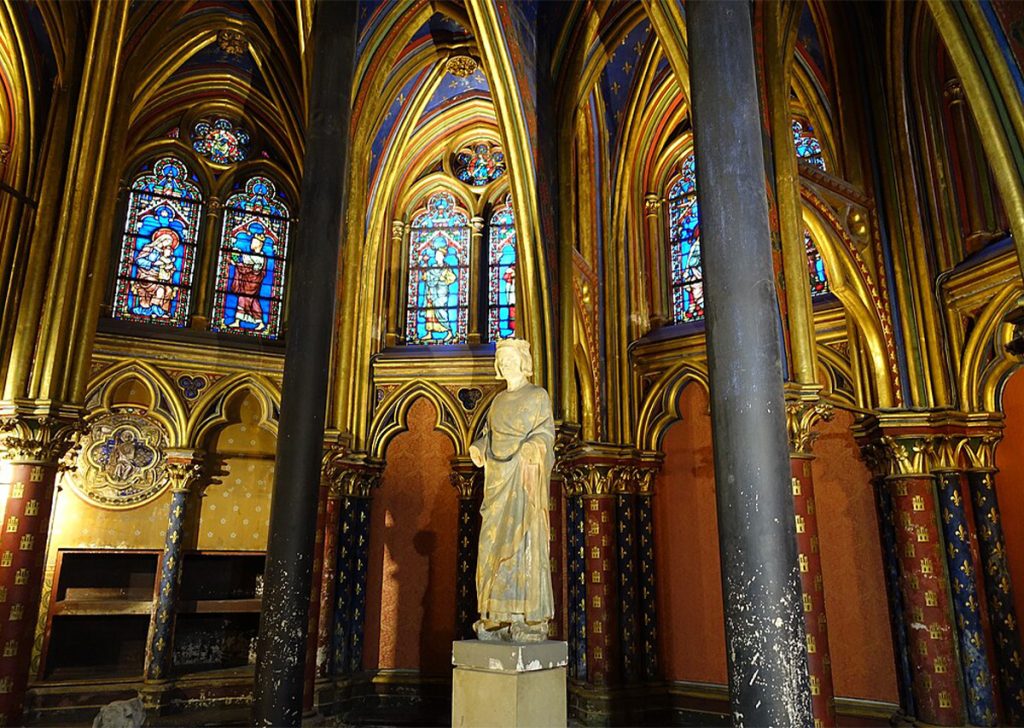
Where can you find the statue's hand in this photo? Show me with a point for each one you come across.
(532, 453)
(476, 456)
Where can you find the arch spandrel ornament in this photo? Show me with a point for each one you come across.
(122, 462)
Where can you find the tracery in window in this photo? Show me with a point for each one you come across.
(684, 245)
(155, 269)
(479, 163)
(220, 141)
(437, 304)
(249, 285)
(807, 145)
(501, 288)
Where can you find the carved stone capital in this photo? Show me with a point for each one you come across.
(926, 442)
(397, 230)
(597, 470)
(184, 469)
(41, 436)
(980, 451)
(477, 223)
(652, 203)
(802, 414)
(352, 475)
(465, 478)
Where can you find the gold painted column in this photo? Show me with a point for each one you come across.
(661, 302)
(803, 411)
(34, 447)
(393, 285)
(476, 250)
(206, 273)
(69, 249)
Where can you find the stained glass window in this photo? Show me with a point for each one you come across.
(684, 245)
(250, 269)
(437, 303)
(501, 277)
(220, 141)
(154, 273)
(819, 282)
(807, 145)
(479, 163)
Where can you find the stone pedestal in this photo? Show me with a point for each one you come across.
(508, 684)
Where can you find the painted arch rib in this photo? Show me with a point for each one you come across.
(510, 108)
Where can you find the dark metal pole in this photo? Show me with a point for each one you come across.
(277, 698)
(764, 629)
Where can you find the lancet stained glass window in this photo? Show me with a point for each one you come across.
(249, 286)
(220, 141)
(819, 281)
(684, 246)
(437, 303)
(154, 273)
(479, 163)
(807, 145)
(501, 275)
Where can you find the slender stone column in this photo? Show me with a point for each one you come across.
(978, 688)
(359, 481)
(184, 468)
(332, 477)
(998, 587)
(465, 478)
(33, 446)
(477, 252)
(277, 696)
(906, 449)
(611, 560)
(647, 614)
(937, 695)
(313, 616)
(803, 410)
(576, 568)
(395, 287)
(891, 565)
(761, 585)
(661, 306)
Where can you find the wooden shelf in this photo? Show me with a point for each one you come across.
(101, 607)
(220, 606)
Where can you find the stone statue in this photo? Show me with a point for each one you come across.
(516, 450)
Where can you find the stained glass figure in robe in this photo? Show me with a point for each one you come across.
(479, 163)
(250, 271)
(819, 281)
(220, 141)
(684, 245)
(155, 268)
(438, 294)
(501, 286)
(807, 145)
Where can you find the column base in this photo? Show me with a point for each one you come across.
(509, 684)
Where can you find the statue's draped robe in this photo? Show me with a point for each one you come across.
(513, 572)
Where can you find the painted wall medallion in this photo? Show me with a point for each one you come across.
(121, 464)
